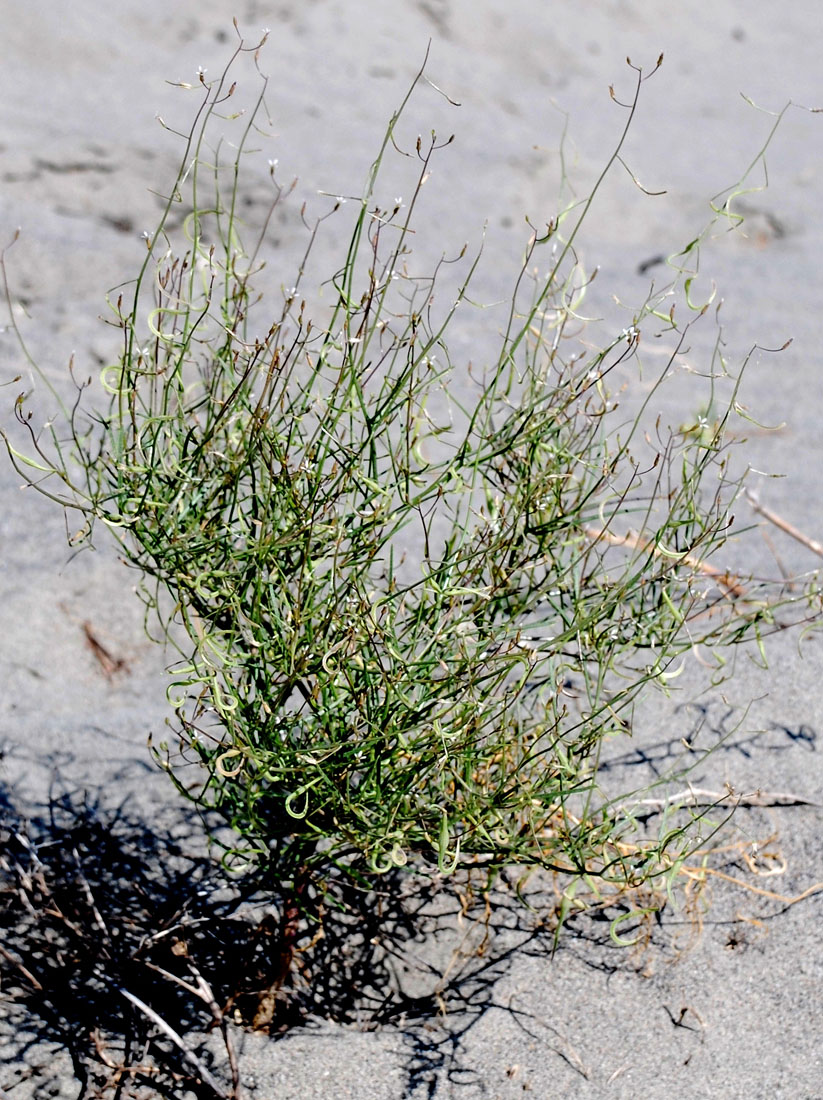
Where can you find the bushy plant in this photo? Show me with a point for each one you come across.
(409, 621)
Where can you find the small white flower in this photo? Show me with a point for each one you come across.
(201, 72)
(273, 163)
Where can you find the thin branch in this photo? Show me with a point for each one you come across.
(204, 992)
(170, 1033)
(696, 873)
(699, 796)
(778, 521)
(726, 580)
(207, 995)
(27, 974)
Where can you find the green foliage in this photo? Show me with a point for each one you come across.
(410, 620)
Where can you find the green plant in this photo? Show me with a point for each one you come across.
(410, 620)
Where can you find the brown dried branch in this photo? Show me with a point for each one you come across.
(784, 525)
(27, 974)
(170, 1033)
(699, 796)
(726, 580)
(206, 994)
(107, 661)
(698, 873)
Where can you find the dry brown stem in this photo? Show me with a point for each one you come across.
(699, 796)
(784, 525)
(727, 581)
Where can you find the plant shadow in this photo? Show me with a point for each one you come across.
(709, 729)
(129, 949)
(109, 919)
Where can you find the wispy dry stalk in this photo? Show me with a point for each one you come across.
(784, 525)
(727, 581)
(18, 965)
(170, 1033)
(698, 874)
(699, 796)
(205, 993)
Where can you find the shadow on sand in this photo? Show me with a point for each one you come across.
(127, 946)
(124, 949)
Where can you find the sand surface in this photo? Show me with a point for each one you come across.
(738, 1014)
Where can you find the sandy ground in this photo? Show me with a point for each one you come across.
(738, 1015)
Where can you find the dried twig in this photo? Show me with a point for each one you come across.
(778, 521)
(699, 796)
(100, 924)
(27, 974)
(727, 581)
(205, 993)
(121, 1069)
(170, 1033)
(107, 661)
(698, 873)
